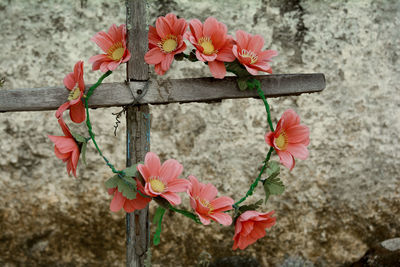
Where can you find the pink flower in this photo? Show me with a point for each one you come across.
(74, 82)
(163, 180)
(290, 139)
(66, 148)
(248, 51)
(129, 205)
(207, 207)
(212, 43)
(165, 41)
(250, 226)
(113, 44)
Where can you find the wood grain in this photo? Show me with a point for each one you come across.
(162, 92)
(137, 129)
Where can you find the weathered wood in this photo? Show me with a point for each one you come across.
(137, 129)
(137, 223)
(162, 91)
(136, 23)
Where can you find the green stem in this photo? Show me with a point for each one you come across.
(186, 213)
(88, 123)
(253, 83)
(254, 184)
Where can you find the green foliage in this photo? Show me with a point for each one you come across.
(83, 152)
(79, 138)
(112, 182)
(242, 83)
(273, 184)
(126, 185)
(131, 171)
(273, 169)
(241, 72)
(158, 216)
(253, 206)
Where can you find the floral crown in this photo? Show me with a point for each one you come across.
(134, 187)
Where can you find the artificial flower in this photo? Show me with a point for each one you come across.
(66, 148)
(74, 82)
(163, 180)
(129, 205)
(113, 44)
(290, 139)
(248, 51)
(250, 226)
(165, 41)
(213, 44)
(203, 200)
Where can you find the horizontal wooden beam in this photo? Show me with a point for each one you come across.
(162, 92)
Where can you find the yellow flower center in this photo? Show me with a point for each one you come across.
(168, 44)
(208, 47)
(206, 204)
(281, 142)
(116, 51)
(157, 185)
(249, 54)
(74, 94)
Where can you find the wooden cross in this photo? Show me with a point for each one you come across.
(141, 92)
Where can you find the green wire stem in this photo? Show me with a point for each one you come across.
(89, 124)
(255, 84)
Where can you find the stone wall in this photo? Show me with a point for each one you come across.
(339, 202)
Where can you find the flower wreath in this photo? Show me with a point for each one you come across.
(134, 187)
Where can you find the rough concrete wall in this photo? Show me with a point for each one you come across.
(341, 200)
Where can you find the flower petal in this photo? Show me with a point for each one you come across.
(170, 170)
(222, 204)
(298, 151)
(77, 112)
(242, 39)
(61, 110)
(226, 55)
(217, 69)
(204, 220)
(290, 118)
(102, 41)
(208, 192)
(162, 27)
(152, 163)
(286, 159)
(69, 81)
(268, 138)
(154, 56)
(221, 218)
(196, 27)
(256, 43)
(172, 198)
(117, 202)
(298, 134)
(178, 185)
(166, 63)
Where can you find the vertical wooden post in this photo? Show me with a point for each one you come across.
(137, 129)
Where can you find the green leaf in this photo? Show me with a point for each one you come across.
(238, 69)
(83, 152)
(131, 171)
(251, 206)
(127, 186)
(242, 83)
(79, 138)
(273, 186)
(273, 169)
(158, 216)
(112, 182)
